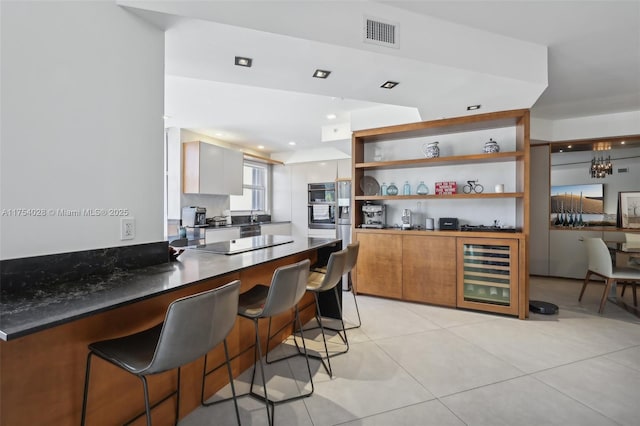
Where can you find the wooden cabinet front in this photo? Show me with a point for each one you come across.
(379, 268)
(429, 269)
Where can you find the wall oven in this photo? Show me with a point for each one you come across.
(322, 205)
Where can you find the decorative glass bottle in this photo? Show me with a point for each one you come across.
(406, 189)
(422, 189)
(383, 189)
(392, 189)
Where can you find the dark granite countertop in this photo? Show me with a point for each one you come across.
(47, 306)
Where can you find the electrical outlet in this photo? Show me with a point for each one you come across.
(127, 228)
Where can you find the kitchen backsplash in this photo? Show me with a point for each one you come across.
(215, 204)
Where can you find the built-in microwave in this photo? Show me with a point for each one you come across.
(322, 192)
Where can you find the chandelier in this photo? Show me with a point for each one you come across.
(600, 167)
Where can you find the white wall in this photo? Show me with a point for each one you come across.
(82, 106)
(591, 127)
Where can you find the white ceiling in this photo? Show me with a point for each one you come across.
(452, 54)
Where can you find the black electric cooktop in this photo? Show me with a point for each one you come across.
(241, 245)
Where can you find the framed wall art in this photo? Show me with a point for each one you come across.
(629, 210)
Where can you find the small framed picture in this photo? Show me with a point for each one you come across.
(630, 209)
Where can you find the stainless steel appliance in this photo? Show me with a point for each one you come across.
(374, 216)
(343, 222)
(406, 219)
(252, 230)
(324, 192)
(194, 216)
(322, 205)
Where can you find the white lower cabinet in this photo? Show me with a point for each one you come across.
(215, 235)
(276, 229)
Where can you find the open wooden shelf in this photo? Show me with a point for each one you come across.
(440, 161)
(439, 197)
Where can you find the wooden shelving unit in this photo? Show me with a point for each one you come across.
(374, 245)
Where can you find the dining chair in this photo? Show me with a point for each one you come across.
(600, 264)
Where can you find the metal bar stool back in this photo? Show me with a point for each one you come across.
(193, 326)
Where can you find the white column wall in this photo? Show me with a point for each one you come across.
(82, 105)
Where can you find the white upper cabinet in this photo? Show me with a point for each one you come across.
(211, 169)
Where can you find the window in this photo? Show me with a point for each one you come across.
(255, 183)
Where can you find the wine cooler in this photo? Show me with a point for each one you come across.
(488, 274)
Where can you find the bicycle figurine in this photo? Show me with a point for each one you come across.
(472, 186)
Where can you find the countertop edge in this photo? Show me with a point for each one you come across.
(281, 251)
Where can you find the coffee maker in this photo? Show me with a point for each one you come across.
(374, 216)
(193, 217)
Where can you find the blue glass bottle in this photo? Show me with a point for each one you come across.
(406, 189)
(422, 189)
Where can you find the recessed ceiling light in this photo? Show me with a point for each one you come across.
(622, 143)
(331, 116)
(292, 143)
(389, 84)
(321, 74)
(473, 107)
(260, 146)
(243, 62)
(569, 146)
(561, 151)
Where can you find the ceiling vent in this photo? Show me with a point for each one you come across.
(381, 33)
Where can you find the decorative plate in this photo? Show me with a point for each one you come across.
(369, 186)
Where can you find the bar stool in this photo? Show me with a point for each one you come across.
(192, 327)
(352, 258)
(288, 285)
(319, 282)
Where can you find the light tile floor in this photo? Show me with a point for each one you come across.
(412, 364)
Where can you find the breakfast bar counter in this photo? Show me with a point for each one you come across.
(45, 331)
